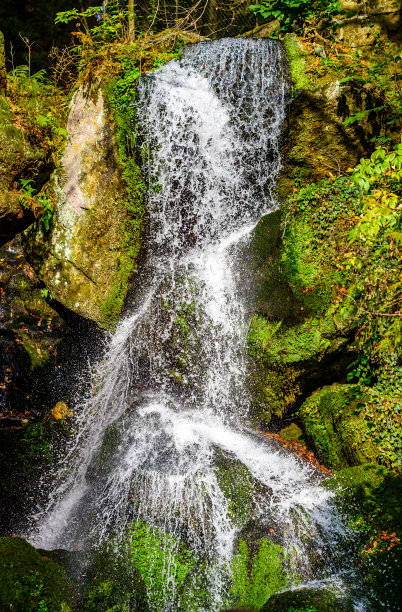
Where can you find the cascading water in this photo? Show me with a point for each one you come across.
(167, 415)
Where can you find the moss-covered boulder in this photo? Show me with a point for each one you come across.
(308, 599)
(369, 496)
(336, 427)
(318, 141)
(297, 339)
(112, 582)
(29, 581)
(258, 571)
(92, 247)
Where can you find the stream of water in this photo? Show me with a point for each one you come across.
(166, 420)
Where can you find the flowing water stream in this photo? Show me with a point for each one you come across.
(163, 436)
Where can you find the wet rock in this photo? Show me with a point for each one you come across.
(26, 453)
(29, 581)
(321, 600)
(29, 332)
(369, 496)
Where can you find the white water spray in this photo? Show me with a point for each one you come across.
(169, 405)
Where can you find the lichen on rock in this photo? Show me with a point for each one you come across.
(85, 259)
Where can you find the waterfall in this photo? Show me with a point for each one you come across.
(167, 412)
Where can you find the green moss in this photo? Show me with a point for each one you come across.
(291, 345)
(235, 481)
(163, 562)
(256, 577)
(335, 425)
(370, 496)
(120, 98)
(30, 582)
(297, 63)
(292, 432)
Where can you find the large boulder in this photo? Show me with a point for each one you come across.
(336, 426)
(319, 600)
(318, 142)
(92, 247)
(297, 340)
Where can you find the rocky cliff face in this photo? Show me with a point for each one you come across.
(84, 257)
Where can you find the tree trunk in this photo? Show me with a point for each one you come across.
(3, 74)
(131, 20)
(212, 16)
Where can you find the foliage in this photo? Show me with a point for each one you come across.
(256, 578)
(293, 13)
(27, 190)
(38, 108)
(43, 200)
(358, 219)
(48, 210)
(379, 78)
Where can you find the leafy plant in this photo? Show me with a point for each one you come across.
(292, 13)
(28, 191)
(47, 214)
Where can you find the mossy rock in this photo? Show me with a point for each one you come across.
(113, 583)
(91, 251)
(369, 497)
(318, 142)
(29, 581)
(296, 54)
(257, 572)
(307, 600)
(369, 494)
(292, 432)
(337, 428)
(297, 339)
(236, 482)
